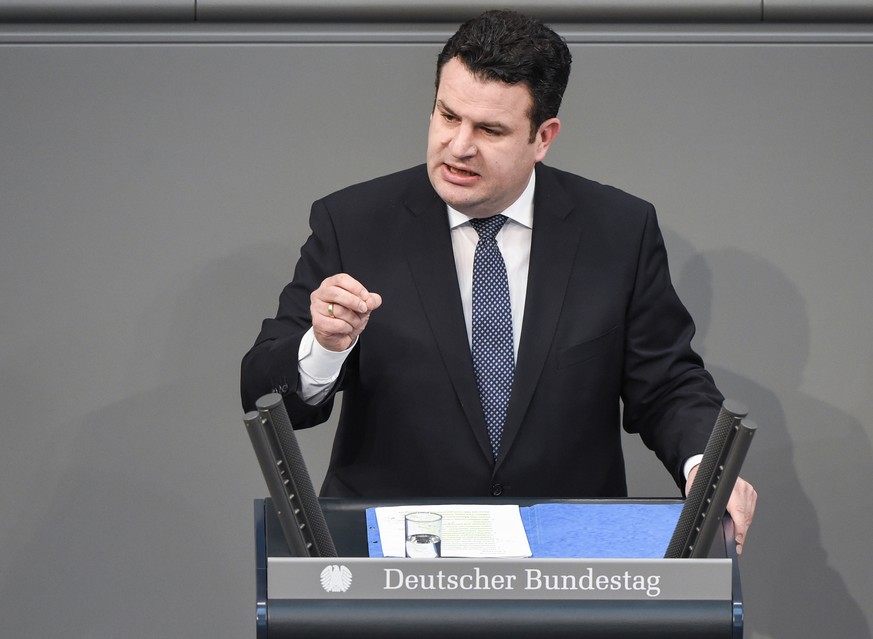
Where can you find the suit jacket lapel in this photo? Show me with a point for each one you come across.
(554, 244)
(431, 261)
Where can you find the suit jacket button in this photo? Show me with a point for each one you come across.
(496, 490)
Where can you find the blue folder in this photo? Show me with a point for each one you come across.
(586, 531)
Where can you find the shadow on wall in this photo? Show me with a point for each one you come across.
(803, 447)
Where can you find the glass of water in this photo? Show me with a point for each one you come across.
(424, 532)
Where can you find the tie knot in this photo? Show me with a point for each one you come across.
(487, 227)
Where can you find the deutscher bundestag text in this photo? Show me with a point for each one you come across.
(533, 579)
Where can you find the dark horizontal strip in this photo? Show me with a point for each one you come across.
(428, 12)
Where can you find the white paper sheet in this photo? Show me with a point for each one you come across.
(468, 530)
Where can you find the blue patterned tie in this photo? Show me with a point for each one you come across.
(493, 359)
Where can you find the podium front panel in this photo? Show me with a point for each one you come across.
(355, 596)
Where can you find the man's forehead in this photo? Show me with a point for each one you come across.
(459, 88)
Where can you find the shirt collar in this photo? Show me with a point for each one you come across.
(520, 211)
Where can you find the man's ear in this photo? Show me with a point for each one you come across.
(546, 134)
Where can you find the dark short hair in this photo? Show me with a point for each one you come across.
(513, 48)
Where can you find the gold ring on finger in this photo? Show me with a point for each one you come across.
(330, 310)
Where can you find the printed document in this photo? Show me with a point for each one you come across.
(467, 531)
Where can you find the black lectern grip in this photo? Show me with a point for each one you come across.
(694, 532)
(272, 408)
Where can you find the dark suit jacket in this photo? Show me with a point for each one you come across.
(602, 323)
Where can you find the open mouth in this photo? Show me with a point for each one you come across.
(460, 172)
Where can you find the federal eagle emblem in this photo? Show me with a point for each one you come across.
(336, 578)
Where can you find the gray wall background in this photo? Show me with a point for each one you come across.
(155, 184)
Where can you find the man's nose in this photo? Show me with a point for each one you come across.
(462, 144)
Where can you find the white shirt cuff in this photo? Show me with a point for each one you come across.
(690, 463)
(317, 368)
(316, 362)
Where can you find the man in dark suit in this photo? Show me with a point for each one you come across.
(593, 332)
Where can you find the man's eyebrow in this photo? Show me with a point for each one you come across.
(442, 106)
(496, 125)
